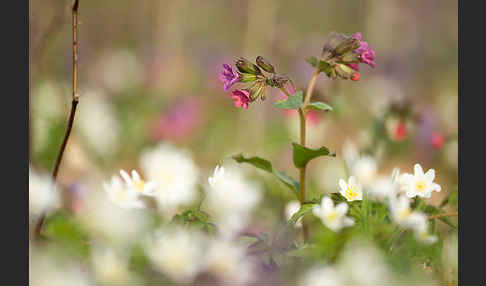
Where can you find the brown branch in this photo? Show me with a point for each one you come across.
(443, 215)
(40, 223)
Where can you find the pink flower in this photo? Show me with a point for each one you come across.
(241, 97)
(367, 54)
(437, 140)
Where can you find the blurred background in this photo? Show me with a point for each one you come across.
(149, 73)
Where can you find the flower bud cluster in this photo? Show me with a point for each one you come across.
(259, 76)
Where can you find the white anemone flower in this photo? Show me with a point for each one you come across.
(175, 174)
(177, 253)
(290, 209)
(111, 267)
(365, 170)
(229, 262)
(402, 214)
(121, 194)
(230, 198)
(136, 182)
(419, 184)
(318, 276)
(383, 187)
(333, 217)
(43, 193)
(351, 190)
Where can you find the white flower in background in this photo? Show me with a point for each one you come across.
(419, 184)
(111, 267)
(402, 214)
(362, 264)
(383, 187)
(98, 123)
(364, 169)
(48, 269)
(135, 182)
(350, 153)
(351, 190)
(174, 173)
(321, 276)
(333, 217)
(290, 209)
(230, 198)
(105, 220)
(43, 193)
(177, 253)
(228, 261)
(422, 234)
(121, 194)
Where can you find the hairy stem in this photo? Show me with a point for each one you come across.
(72, 115)
(302, 170)
(443, 215)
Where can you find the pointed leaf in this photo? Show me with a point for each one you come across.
(319, 106)
(292, 102)
(302, 155)
(267, 166)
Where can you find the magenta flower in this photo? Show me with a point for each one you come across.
(367, 54)
(228, 76)
(241, 97)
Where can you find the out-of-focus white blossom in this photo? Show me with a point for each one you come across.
(175, 174)
(50, 270)
(135, 182)
(333, 217)
(383, 187)
(364, 169)
(229, 262)
(403, 215)
(105, 220)
(320, 276)
(230, 198)
(121, 194)
(422, 234)
(177, 253)
(350, 153)
(419, 184)
(43, 193)
(111, 267)
(351, 190)
(362, 264)
(97, 122)
(290, 209)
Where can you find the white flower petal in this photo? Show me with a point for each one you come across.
(125, 176)
(436, 187)
(430, 175)
(418, 171)
(327, 203)
(342, 184)
(342, 208)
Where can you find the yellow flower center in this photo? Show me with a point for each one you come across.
(351, 192)
(332, 216)
(420, 186)
(139, 185)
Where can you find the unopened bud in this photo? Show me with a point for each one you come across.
(265, 64)
(355, 77)
(257, 90)
(346, 46)
(350, 58)
(246, 77)
(344, 71)
(245, 66)
(278, 80)
(333, 41)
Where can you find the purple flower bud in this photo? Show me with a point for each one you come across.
(228, 77)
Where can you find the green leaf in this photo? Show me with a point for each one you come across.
(292, 102)
(451, 199)
(304, 209)
(319, 106)
(322, 65)
(302, 155)
(267, 166)
(313, 61)
(448, 222)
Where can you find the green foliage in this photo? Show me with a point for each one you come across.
(267, 166)
(317, 105)
(195, 218)
(302, 155)
(304, 209)
(67, 233)
(451, 199)
(318, 64)
(292, 102)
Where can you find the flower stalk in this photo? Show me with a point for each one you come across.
(74, 105)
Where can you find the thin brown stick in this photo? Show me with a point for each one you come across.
(40, 223)
(443, 215)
